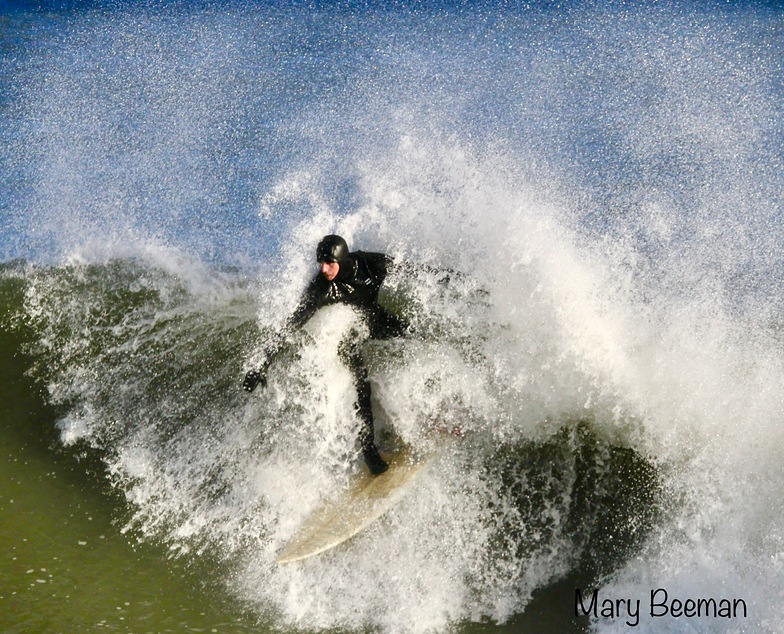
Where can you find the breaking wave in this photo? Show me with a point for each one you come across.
(587, 209)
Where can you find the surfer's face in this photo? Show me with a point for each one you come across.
(330, 270)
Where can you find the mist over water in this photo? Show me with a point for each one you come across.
(604, 188)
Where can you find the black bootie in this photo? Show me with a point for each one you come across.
(373, 460)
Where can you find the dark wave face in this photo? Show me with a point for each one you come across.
(604, 188)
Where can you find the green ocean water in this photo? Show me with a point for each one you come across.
(67, 566)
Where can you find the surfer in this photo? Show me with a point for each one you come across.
(353, 279)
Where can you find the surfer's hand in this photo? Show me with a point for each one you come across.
(253, 378)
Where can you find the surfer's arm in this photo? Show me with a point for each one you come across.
(312, 299)
(307, 307)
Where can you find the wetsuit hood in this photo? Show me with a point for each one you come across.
(333, 248)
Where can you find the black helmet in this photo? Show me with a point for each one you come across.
(332, 249)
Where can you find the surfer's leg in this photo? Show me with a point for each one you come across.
(350, 355)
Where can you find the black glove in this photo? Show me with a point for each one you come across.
(253, 378)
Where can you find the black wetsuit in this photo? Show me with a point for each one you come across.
(357, 285)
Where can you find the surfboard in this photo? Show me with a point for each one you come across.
(341, 518)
